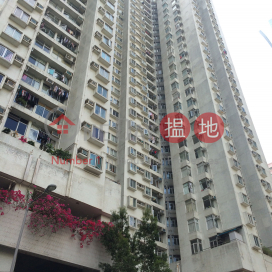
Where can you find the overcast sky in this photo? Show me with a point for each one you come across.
(241, 21)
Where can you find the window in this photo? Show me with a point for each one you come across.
(208, 202)
(186, 171)
(100, 111)
(132, 221)
(172, 205)
(173, 76)
(188, 187)
(171, 59)
(245, 198)
(191, 102)
(193, 225)
(13, 32)
(190, 205)
(211, 222)
(103, 72)
(105, 56)
(42, 111)
(173, 222)
(132, 167)
(98, 134)
(114, 112)
(15, 123)
(108, 28)
(111, 167)
(102, 91)
(175, 85)
(147, 191)
(170, 190)
(31, 81)
(184, 156)
(6, 54)
(189, 91)
(205, 184)
(1, 78)
(113, 124)
(132, 183)
(43, 46)
(21, 14)
(256, 241)
(132, 151)
(39, 63)
(196, 246)
(109, 16)
(183, 143)
(199, 152)
(186, 81)
(111, 152)
(107, 41)
(112, 138)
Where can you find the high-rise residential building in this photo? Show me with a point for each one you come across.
(114, 69)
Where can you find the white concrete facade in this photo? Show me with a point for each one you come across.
(126, 65)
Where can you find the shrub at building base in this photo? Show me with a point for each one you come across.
(137, 252)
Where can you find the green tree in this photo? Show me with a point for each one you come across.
(119, 244)
(146, 236)
(133, 252)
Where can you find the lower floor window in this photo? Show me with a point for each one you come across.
(15, 123)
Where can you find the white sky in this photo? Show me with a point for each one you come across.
(241, 21)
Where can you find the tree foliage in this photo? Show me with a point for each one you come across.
(133, 252)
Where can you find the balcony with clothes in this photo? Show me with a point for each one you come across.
(49, 72)
(74, 7)
(61, 21)
(26, 130)
(53, 56)
(55, 94)
(56, 34)
(39, 105)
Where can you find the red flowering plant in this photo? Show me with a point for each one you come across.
(50, 215)
(14, 199)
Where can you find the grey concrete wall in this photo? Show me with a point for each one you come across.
(260, 207)
(58, 246)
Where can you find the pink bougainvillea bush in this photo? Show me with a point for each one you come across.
(48, 215)
(14, 199)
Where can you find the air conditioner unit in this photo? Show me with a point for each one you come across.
(217, 217)
(49, 81)
(86, 126)
(55, 134)
(82, 153)
(68, 74)
(92, 84)
(89, 104)
(26, 40)
(69, 59)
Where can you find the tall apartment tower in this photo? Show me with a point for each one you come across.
(95, 78)
(222, 190)
(92, 62)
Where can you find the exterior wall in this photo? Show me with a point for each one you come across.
(59, 246)
(196, 43)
